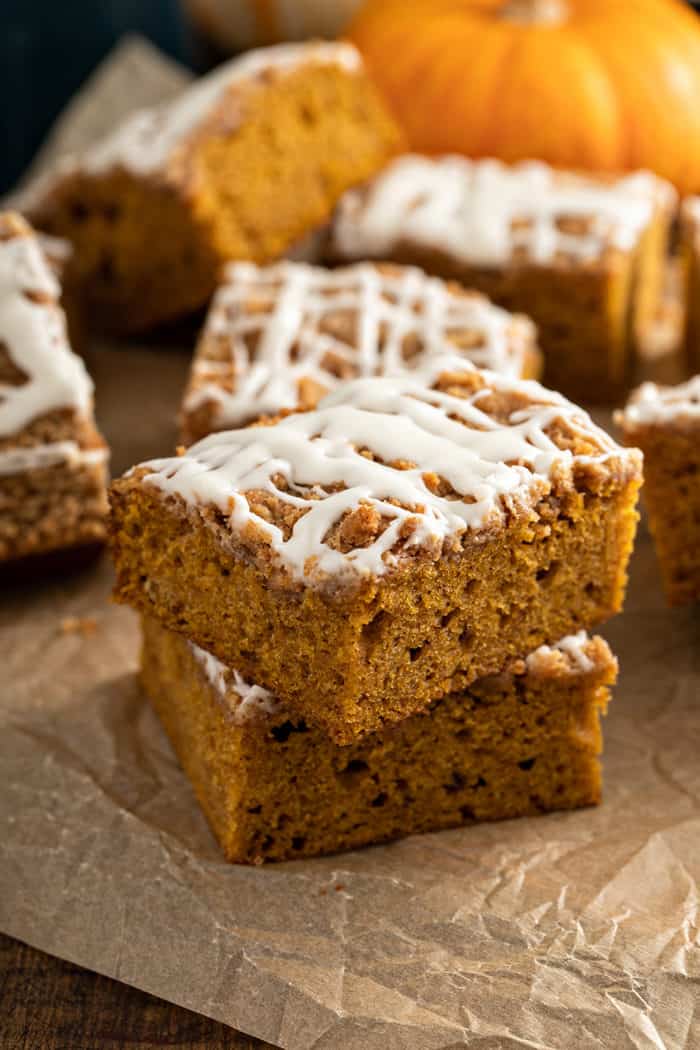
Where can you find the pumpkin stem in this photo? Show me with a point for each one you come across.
(535, 12)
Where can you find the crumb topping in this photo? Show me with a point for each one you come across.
(39, 373)
(661, 404)
(486, 213)
(577, 653)
(281, 336)
(387, 468)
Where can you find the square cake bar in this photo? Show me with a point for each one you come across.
(523, 742)
(404, 538)
(244, 164)
(665, 423)
(583, 256)
(283, 336)
(53, 461)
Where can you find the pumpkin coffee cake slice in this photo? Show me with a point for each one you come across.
(53, 473)
(247, 162)
(282, 336)
(404, 538)
(584, 256)
(519, 743)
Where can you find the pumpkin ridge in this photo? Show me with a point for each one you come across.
(615, 85)
(536, 13)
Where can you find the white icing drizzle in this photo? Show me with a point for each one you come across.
(146, 140)
(55, 453)
(482, 212)
(280, 312)
(490, 465)
(246, 702)
(662, 404)
(572, 646)
(34, 335)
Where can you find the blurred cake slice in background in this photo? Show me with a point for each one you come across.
(53, 469)
(664, 421)
(585, 257)
(243, 165)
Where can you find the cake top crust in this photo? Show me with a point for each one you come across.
(387, 469)
(486, 213)
(571, 657)
(39, 373)
(651, 404)
(281, 336)
(145, 142)
(576, 654)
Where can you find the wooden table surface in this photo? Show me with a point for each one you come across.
(47, 1004)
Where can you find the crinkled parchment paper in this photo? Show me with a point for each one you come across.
(573, 930)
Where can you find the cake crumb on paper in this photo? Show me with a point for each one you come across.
(84, 625)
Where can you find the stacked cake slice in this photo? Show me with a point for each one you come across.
(522, 742)
(347, 581)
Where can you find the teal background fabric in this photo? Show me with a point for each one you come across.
(47, 49)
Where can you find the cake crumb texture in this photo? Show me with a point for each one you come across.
(522, 743)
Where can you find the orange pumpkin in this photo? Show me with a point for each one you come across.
(598, 84)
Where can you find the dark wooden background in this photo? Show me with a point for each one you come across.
(46, 1004)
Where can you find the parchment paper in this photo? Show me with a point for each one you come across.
(573, 930)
